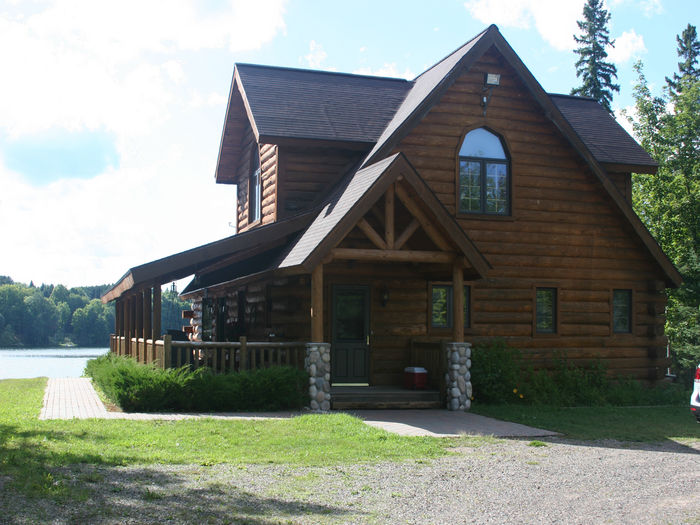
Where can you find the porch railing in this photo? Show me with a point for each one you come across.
(221, 357)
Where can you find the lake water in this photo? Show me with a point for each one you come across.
(46, 362)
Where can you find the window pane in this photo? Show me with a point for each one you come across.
(546, 308)
(622, 311)
(350, 315)
(496, 188)
(469, 186)
(482, 143)
(441, 315)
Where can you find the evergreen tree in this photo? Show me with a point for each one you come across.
(596, 74)
(689, 51)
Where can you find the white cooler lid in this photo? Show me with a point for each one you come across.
(415, 370)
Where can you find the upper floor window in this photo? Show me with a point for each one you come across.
(254, 188)
(484, 177)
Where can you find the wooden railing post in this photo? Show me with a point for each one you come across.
(243, 363)
(167, 350)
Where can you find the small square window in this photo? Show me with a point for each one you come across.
(622, 311)
(546, 311)
(442, 304)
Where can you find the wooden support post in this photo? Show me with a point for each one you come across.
(458, 303)
(167, 351)
(147, 331)
(243, 358)
(128, 323)
(117, 316)
(317, 304)
(155, 329)
(138, 331)
(389, 217)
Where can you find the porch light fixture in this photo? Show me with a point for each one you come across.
(491, 80)
(385, 296)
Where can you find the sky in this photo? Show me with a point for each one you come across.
(111, 112)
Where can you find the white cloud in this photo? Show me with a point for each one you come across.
(555, 20)
(317, 55)
(80, 60)
(628, 45)
(128, 68)
(648, 7)
(387, 70)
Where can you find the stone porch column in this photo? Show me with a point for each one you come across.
(318, 364)
(458, 377)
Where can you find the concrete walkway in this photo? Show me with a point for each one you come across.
(75, 398)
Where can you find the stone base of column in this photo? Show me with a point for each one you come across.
(318, 365)
(458, 377)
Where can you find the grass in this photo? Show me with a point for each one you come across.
(654, 423)
(32, 451)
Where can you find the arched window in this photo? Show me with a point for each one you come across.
(484, 175)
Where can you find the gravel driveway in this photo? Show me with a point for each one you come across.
(508, 481)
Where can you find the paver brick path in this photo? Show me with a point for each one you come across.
(74, 397)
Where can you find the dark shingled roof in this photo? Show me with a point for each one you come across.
(299, 103)
(600, 132)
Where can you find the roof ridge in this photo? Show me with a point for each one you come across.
(576, 97)
(324, 72)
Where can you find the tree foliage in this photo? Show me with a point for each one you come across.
(597, 75)
(668, 127)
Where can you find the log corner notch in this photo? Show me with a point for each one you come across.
(317, 304)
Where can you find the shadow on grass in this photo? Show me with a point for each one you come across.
(41, 486)
(651, 428)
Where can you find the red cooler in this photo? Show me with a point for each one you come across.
(415, 378)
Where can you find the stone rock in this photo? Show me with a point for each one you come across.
(462, 384)
(455, 392)
(312, 370)
(312, 391)
(326, 357)
(462, 370)
(454, 367)
(312, 380)
(469, 390)
(467, 375)
(469, 363)
(454, 404)
(320, 397)
(455, 357)
(314, 356)
(468, 352)
(314, 404)
(328, 396)
(326, 405)
(327, 376)
(467, 404)
(319, 383)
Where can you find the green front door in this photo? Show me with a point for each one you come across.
(350, 338)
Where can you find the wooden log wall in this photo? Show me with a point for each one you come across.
(307, 174)
(268, 173)
(564, 232)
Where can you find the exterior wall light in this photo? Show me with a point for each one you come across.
(491, 80)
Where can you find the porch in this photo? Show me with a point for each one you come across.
(232, 357)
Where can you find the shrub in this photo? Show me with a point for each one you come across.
(495, 372)
(139, 387)
(498, 377)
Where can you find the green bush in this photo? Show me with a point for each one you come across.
(495, 372)
(498, 377)
(144, 388)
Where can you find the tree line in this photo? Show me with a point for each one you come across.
(52, 315)
(667, 125)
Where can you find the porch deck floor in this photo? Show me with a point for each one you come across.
(382, 397)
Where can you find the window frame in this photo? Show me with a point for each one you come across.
(255, 181)
(555, 310)
(630, 307)
(450, 305)
(483, 161)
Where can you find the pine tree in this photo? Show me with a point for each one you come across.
(597, 75)
(689, 51)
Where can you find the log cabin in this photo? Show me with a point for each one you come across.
(387, 223)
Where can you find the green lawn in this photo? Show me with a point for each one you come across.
(656, 423)
(32, 450)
